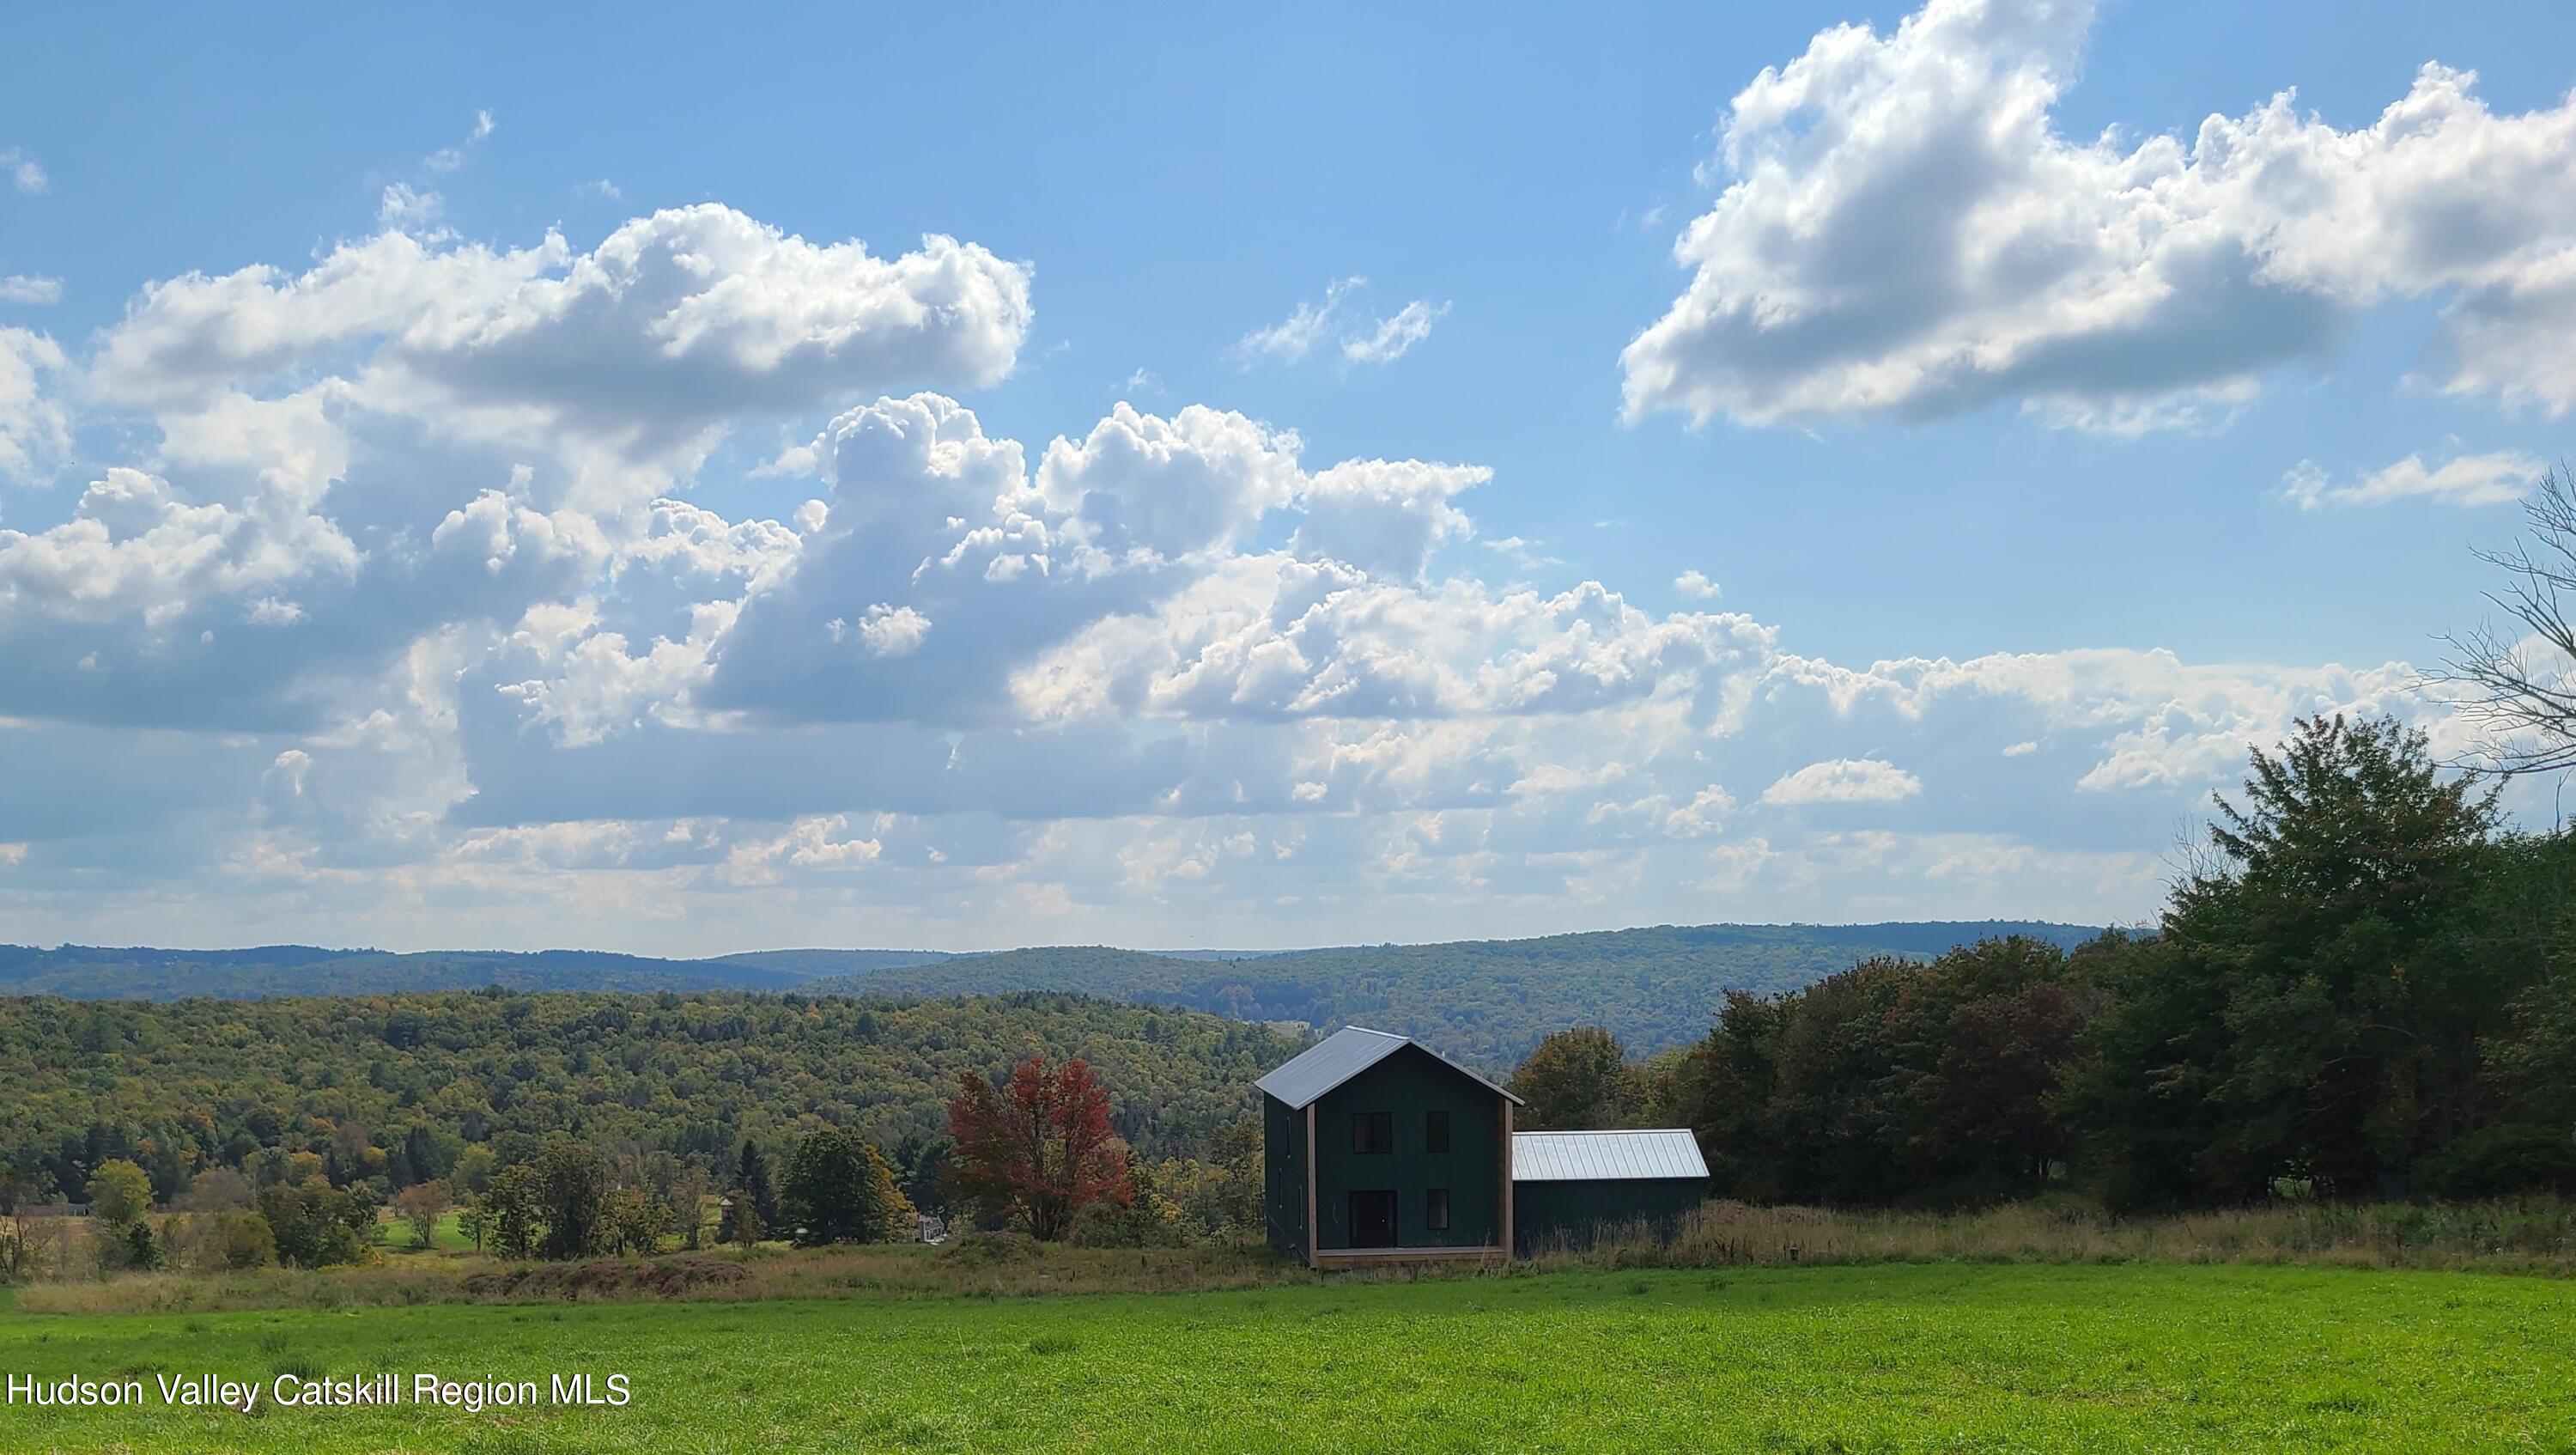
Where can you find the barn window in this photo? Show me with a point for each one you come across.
(1372, 1131)
(1435, 1131)
(1435, 1209)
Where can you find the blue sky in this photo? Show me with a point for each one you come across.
(2042, 441)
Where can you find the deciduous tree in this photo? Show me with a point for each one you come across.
(572, 1199)
(420, 1206)
(512, 1216)
(1576, 1081)
(119, 1193)
(1038, 1148)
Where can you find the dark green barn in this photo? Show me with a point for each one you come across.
(1378, 1148)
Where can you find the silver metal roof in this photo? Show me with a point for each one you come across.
(1605, 1156)
(1345, 1054)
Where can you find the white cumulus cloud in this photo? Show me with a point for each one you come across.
(2499, 477)
(1844, 780)
(1904, 231)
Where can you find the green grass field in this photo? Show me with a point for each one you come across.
(1894, 1358)
(394, 1236)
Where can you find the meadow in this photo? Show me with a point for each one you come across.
(2533, 1235)
(1890, 1357)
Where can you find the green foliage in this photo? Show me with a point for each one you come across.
(1891, 1081)
(2508, 1157)
(572, 1195)
(254, 1084)
(636, 1222)
(2322, 997)
(243, 1240)
(1484, 1002)
(314, 1224)
(839, 1189)
(120, 1193)
(141, 1250)
(1577, 1081)
(752, 1187)
(512, 1216)
(1147, 1218)
(2362, 991)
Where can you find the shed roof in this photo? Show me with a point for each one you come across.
(1345, 1054)
(1605, 1156)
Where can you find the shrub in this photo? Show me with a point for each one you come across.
(2506, 1158)
(242, 1240)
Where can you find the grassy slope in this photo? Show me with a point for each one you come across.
(1898, 1358)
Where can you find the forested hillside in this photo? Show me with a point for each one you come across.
(1485, 1001)
(89, 972)
(398, 1085)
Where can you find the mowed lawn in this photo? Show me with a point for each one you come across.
(1908, 1357)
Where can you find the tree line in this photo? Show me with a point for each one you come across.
(1035, 1151)
(2360, 986)
(389, 1091)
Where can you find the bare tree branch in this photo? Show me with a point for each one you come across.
(2518, 683)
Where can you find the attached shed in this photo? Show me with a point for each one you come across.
(1377, 1149)
(1570, 1186)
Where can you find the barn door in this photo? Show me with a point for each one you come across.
(1373, 1219)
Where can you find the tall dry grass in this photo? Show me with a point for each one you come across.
(2527, 1236)
(2534, 1235)
(994, 1267)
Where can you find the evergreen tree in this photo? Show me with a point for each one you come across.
(752, 1186)
(2312, 1009)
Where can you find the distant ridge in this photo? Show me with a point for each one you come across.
(91, 972)
(1488, 1001)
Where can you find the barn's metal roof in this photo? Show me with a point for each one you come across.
(1605, 1156)
(1345, 1054)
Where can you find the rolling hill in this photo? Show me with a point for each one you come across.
(86, 972)
(202, 1082)
(1486, 1001)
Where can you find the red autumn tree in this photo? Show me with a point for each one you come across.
(1037, 1148)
